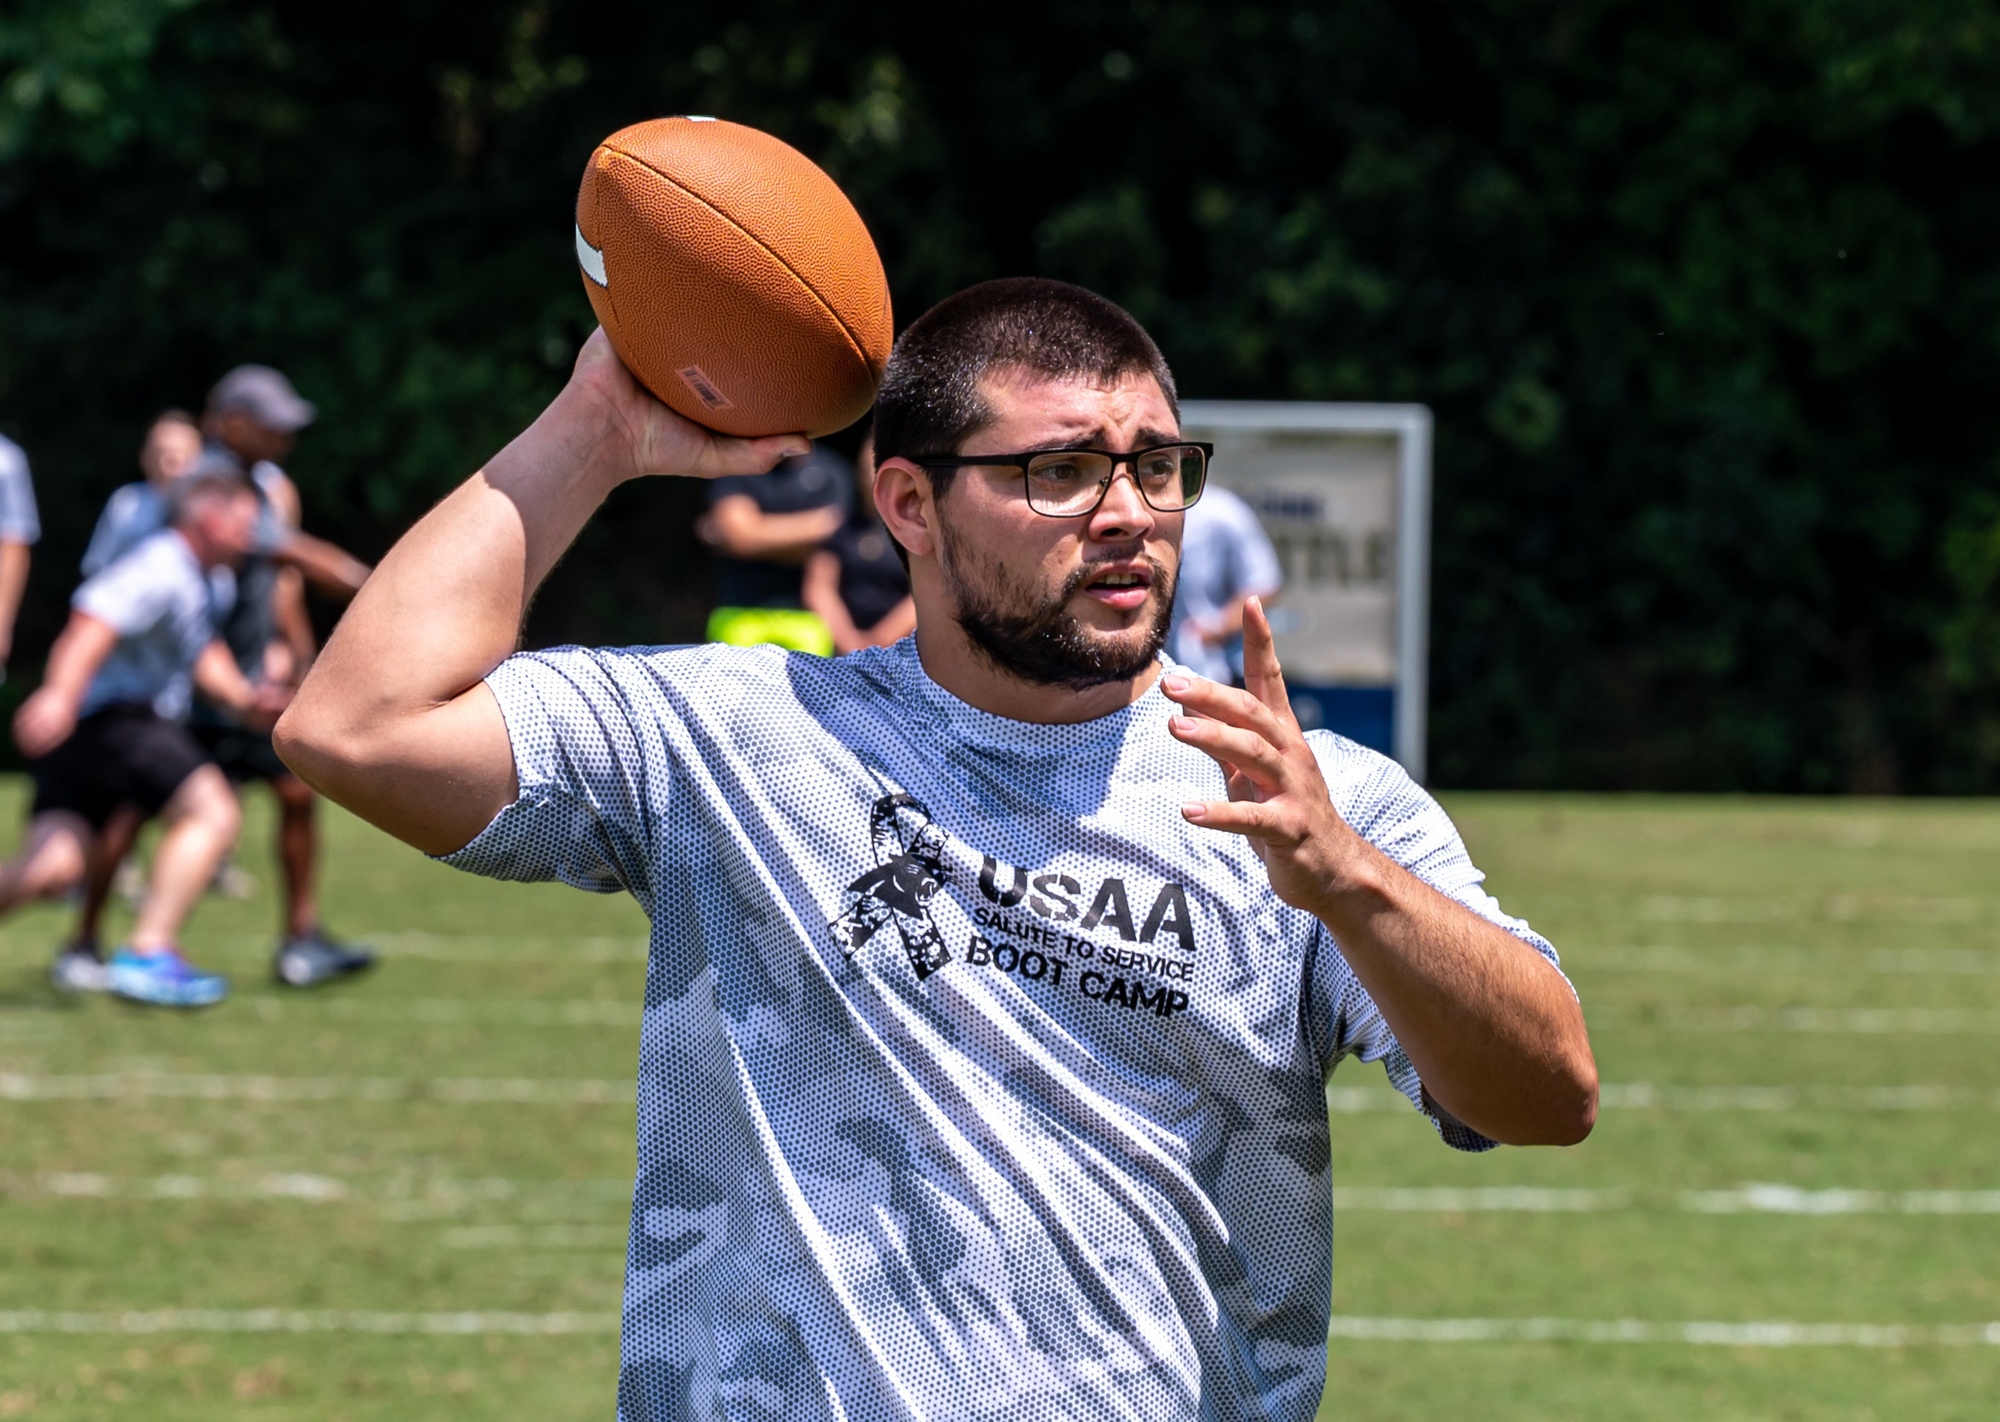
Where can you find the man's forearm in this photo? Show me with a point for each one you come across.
(14, 558)
(79, 652)
(742, 530)
(1493, 1030)
(220, 680)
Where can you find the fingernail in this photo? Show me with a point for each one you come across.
(1181, 723)
(1194, 810)
(1175, 685)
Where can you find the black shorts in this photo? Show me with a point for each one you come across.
(121, 755)
(243, 755)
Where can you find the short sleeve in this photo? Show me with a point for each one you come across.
(130, 596)
(592, 769)
(20, 521)
(1388, 809)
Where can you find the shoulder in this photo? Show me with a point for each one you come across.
(129, 501)
(1374, 794)
(708, 682)
(149, 574)
(1220, 506)
(12, 461)
(164, 555)
(1223, 503)
(1236, 516)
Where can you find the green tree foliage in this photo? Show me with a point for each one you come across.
(1705, 297)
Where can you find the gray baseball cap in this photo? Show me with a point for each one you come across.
(265, 396)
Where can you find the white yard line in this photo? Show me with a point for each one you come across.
(395, 1191)
(112, 1086)
(504, 948)
(1615, 1096)
(415, 1197)
(276, 1320)
(1646, 1096)
(1768, 1333)
(452, 1011)
(1831, 908)
(1842, 1022)
(1784, 961)
(1745, 1199)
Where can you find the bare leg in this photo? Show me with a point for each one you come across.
(298, 853)
(114, 842)
(51, 859)
(201, 820)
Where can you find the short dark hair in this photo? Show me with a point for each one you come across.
(200, 486)
(929, 402)
(175, 415)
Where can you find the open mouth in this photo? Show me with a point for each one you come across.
(1123, 586)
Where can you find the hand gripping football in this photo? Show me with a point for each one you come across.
(735, 280)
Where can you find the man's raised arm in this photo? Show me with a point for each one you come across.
(394, 721)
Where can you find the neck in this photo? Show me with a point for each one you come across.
(952, 661)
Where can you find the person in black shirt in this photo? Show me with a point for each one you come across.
(764, 528)
(856, 583)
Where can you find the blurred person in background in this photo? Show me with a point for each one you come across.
(252, 421)
(1226, 559)
(253, 416)
(20, 529)
(104, 731)
(856, 583)
(763, 529)
(135, 512)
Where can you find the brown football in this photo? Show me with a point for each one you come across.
(734, 278)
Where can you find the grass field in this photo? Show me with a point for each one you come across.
(402, 1198)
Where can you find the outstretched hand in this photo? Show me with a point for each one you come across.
(1277, 797)
(660, 441)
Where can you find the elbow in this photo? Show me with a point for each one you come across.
(312, 749)
(293, 740)
(1574, 1103)
(1560, 1111)
(1581, 1117)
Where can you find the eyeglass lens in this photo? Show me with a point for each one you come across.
(1075, 481)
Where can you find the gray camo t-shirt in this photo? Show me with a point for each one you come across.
(974, 1082)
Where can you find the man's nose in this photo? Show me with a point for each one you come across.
(1124, 511)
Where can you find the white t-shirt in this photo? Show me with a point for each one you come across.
(19, 520)
(1225, 555)
(165, 609)
(974, 1083)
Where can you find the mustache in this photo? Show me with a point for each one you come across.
(1077, 581)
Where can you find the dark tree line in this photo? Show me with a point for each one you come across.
(1706, 298)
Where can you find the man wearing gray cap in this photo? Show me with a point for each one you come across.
(253, 416)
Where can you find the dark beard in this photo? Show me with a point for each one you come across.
(1045, 645)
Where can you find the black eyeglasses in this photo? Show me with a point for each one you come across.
(1069, 483)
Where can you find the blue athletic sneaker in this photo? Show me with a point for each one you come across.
(164, 979)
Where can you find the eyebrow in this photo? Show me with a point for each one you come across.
(1088, 436)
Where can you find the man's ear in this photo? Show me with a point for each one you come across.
(903, 497)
